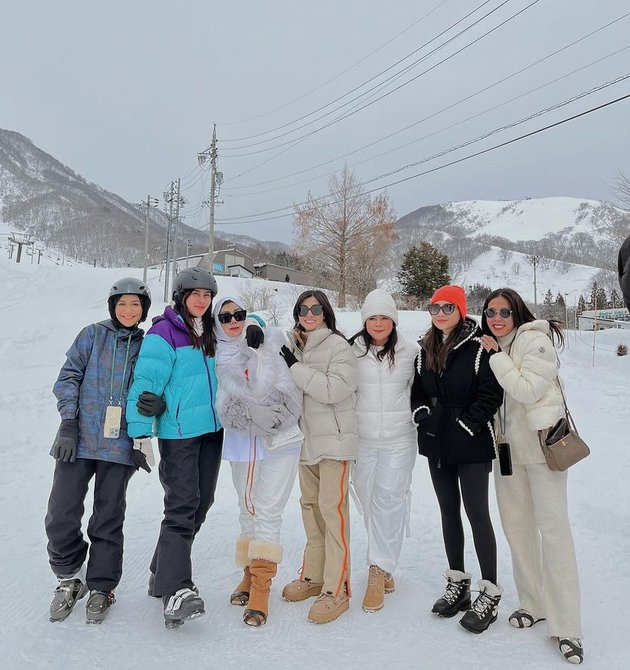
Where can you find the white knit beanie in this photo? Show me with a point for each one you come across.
(379, 302)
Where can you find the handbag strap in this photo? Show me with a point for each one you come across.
(566, 407)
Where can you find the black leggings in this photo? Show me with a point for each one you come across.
(472, 479)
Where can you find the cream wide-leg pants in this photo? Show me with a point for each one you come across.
(382, 481)
(534, 514)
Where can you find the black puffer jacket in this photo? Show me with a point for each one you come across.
(454, 410)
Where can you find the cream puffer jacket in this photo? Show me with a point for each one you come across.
(327, 373)
(383, 406)
(527, 370)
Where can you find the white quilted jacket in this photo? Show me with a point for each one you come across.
(383, 405)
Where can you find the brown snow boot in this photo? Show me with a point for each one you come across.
(374, 598)
(262, 572)
(390, 584)
(241, 592)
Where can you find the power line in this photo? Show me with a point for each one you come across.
(348, 114)
(433, 115)
(337, 76)
(381, 84)
(456, 161)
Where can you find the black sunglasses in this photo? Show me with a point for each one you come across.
(226, 317)
(504, 312)
(448, 309)
(315, 310)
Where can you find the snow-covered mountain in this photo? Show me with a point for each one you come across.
(492, 242)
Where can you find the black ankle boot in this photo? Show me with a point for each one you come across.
(484, 610)
(457, 595)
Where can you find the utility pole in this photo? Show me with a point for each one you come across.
(216, 179)
(178, 202)
(151, 202)
(168, 208)
(535, 261)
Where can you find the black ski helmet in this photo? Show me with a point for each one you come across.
(191, 279)
(129, 286)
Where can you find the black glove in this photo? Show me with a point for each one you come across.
(254, 336)
(149, 404)
(421, 414)
(141, 447)
(65, 445)
(288, 355)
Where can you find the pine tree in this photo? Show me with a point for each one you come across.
(548, 307)
(561, 312)
(423, 270)
(581, 306)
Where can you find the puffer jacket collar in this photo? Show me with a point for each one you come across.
(173, 317)
(469, 331)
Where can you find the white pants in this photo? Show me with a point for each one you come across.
(533, 508)
(382, 479)
(263, 494)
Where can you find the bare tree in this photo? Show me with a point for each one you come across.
(346, 230)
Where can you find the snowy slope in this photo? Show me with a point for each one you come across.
(43, 308)
(493, 269)
(533, 218)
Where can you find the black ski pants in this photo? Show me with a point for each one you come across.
(189, 470)
(467, 481)
(67, 548)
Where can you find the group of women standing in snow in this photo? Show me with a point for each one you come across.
(342, 414)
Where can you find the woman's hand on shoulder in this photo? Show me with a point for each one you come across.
(489, 344)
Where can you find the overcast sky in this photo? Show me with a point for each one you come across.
(125, 92)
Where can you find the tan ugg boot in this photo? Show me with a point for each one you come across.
(240, 596)
(374, 598)
(327, 608)
(301, 589)
(258, 606)
(390, 584)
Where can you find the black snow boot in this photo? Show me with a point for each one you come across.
(182, 606)
(98, 605)
(65, 598)
(456, 598)
(484, 610)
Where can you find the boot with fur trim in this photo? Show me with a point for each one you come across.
(484, 610)
(264, 558)
(258, 606)
(240, 596)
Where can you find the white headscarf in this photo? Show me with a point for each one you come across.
(232, 350)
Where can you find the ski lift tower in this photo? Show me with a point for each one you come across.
(20, 240)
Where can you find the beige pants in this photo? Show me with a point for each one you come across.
(533, 508)
(324, 503)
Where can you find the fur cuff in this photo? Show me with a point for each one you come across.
(265, 551)
(241, 553)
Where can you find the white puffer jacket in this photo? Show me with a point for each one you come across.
(383, 405)
(528, 371)
(327, 372)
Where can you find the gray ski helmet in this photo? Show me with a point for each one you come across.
(190, 279)
(129, 286)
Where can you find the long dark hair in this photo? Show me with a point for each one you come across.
(520, 314)
(437, 349)
(389, 348)
(207, 340)
(329, 315)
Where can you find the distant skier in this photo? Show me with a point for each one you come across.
(92, 441)
(623, 267)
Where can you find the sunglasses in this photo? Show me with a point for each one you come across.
(315, 310)
(226, 317)
(504, 312)
(448, 309)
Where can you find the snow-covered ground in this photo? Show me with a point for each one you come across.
(42, 309)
